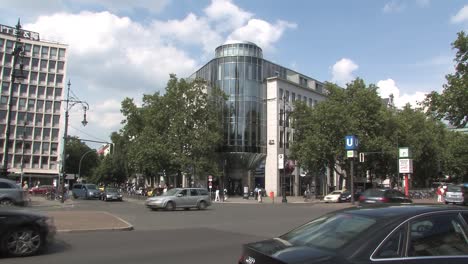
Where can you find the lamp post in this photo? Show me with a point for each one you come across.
(18, 53)
(284, 199)
(22, 154)
(69, 103)
(81, 159)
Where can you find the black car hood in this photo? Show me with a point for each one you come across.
(285, 252)
(20, 212)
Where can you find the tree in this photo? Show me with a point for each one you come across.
(320, 131)
(455, 162)
(177, 132)
(75, 149)
(113, 167)
(452, 103)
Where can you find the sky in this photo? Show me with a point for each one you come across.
(119, 49)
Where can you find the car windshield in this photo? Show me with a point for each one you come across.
(170, 192)
(336, 192)
(91, 187)
(111, 190)
(453, 188)
(329, 232)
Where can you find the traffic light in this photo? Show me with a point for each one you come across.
(362, 157)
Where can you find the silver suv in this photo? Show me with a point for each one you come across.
(12, 194)
(180, 198)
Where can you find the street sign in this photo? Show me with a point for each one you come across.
(280, 161)
(362, 157)
(404, 153)
(351, 154)
(405, 165)
(210, 178)
(210, 185)
(351, 142)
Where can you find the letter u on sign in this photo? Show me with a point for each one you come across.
(351, 142)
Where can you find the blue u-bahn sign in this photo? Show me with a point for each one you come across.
(351, 142)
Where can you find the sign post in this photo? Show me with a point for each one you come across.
(351, 146)
(405, 166)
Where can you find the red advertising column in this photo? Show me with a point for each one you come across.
(406, 185)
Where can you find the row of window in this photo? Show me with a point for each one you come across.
(35, 147)
(33, 63)
(34, 50)
(51, 79)
(32, 162)
(239, 49)
(40, 133)
(293, 97)
(32, 91)
(33, 105)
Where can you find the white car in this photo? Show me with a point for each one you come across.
(333, 197)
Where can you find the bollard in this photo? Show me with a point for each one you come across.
(272, 196)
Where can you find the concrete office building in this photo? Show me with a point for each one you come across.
(36, 106)
(253, 117)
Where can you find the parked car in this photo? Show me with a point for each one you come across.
(346, 196)
(383, 195)
(333, 197)
(180, 198)
(457, 194)
(12, 194)
(111, 194)
(23, 233)
(385, 234)
(42, 190)
(86, 191)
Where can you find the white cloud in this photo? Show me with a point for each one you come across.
(124, 5)
(261, 32)
(388, 87)
(342, 71)
(393, 7)
(461, 16)
(226, 15)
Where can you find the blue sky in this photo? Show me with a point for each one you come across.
(121, 49)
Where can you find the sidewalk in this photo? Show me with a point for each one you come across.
(41, 201)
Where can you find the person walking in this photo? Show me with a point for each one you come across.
(259, 194)
(439, 194)
(217, 199)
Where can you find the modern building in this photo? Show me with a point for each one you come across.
(35, 114)
(257, 127)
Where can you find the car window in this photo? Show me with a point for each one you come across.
(374, 193)
(393, 246)
(91, 187)
(183, 192)
(437, 235)
(77, 186)
(193, 192)
(202, 192)
(4, 185)
(454, 188)
(170, 192)
(330, 232)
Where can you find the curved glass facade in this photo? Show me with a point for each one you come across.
(237, 70)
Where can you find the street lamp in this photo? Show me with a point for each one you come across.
(81, 159)
(284, 199)
(18, 53)
(22, 154)
(69, 105)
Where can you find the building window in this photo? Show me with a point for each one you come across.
(281, 93)
(48, 107)
(36, 50)
(52, 66)
(45, 162)
(43, 65)
(57, 107)
(56, 121)
(53, 148)
(39, 119)
(281, 117)
(60, 66)
(40, 106)
(281, 139)
(45, 148)
(22, 103)
(36, 162)
(50, 92)
(55, 134)
(35, 64)
(61, 54)
(45, 52)
(31, 104)
(53, 52)
(287, 96)
(36, 147)
(59, 79)
(287, 139)
(58, 93)
(293, 97)
(24, 90)
(41, 91)
(4, 100)
(47, 120)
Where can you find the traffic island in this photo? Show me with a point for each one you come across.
(87, 221)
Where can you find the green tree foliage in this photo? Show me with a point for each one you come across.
(320, 131)
(452, 103)
(177, 132)
(456, 159)
(75, 149)
(113, 168)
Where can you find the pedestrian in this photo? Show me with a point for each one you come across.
(443, 190)
(25, 186)
(439, 194)
(259, 195)
(225, 196)
(217, 195)
(256, 192)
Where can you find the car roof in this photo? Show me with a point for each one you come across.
(7, 180)
(389, 211)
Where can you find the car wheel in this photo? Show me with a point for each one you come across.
(170, 206)
(202, 205)
(25, 241)
(6, 202)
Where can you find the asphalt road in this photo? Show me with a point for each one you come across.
(211, 236)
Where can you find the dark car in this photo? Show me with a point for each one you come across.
(377, 196)
(384, 234)
(346, 196)
(111, 194)
(24, 233)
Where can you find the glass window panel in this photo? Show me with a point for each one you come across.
(39, 105)
(39, 119)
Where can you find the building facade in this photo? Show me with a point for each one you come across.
(253, 119)
(35, 113)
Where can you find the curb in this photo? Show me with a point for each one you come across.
(128, 228)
